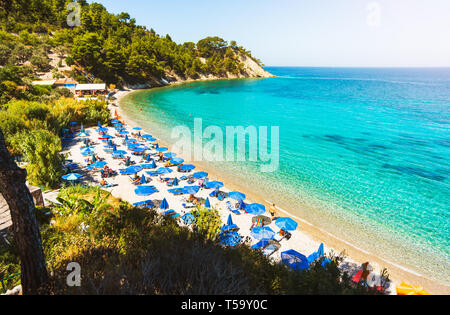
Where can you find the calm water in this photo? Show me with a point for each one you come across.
(368, 149)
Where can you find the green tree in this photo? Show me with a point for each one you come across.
(41, 150)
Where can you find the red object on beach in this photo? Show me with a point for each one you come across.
(357, 278)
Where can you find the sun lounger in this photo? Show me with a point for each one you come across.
(144, 204)
(171, 213)
(230, 208)
(188, 205)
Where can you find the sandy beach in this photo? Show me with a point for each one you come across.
(306, 239)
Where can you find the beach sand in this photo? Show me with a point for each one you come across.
(306, 239)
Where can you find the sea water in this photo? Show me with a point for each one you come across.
(367, 149)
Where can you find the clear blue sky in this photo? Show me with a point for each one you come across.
(308, 32)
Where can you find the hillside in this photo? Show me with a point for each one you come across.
(111, 48)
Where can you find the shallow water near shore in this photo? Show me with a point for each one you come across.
(367, 150)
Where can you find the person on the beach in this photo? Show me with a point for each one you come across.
(272, 211)
(103, 182)
(137, 179)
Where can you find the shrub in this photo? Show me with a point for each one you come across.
(41, 149)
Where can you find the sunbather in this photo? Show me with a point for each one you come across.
(136, 179)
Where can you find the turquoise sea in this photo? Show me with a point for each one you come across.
(368, 150)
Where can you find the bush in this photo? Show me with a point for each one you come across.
(40, 148)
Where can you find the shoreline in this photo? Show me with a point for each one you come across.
(355, 256)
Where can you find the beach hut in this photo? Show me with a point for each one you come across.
(90, 89)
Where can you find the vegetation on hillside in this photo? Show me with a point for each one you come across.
(126, 250)
(33, 129)
(110, 47)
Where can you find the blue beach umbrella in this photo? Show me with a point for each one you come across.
(99, 164)
(102, 129)
(229, 226)
(207, 203)
(152, 164)
(83, 135)
(115, 121)
(119, 128)
(164, 170)
(132, 170)
(120, 152)
(214, 185)
(139, 150)
(132, 145)
(147, 136)
(262, 232)
(175, 182)
(200, 175)
(230, 220)
(295, 260)
(230, 239)
(170, 155)
(72, 177)
(161, 149)
(123, 133)
(137, 128)
(148, 158)
(108, 137)
(176, 161)
(236, 195)
(145, 190)
(286, 224)
(188, 219)
(187, 167)
(255, 209)
(190, 190)
(319, 254)
(164, 205)
(88, 152)
(143, 180)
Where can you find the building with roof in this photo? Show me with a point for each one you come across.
(44, 82)
(66, 83)
(91, 89)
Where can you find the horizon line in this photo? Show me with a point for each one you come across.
(364, 67)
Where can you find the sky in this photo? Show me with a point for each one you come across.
(326, 33)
